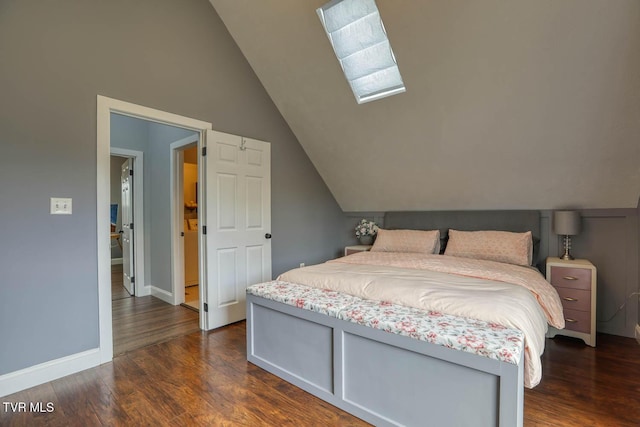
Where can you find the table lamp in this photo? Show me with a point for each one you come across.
(567, 224)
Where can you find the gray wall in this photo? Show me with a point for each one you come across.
(553, 86)
(159, 191)
(170, 55)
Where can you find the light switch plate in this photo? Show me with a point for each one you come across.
(60, 206)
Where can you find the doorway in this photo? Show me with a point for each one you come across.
(185, 240)
(107, 107)
(153, 315)
(129, 209)
(118, 288)
(235, 205)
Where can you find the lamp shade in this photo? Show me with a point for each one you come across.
(566, 223)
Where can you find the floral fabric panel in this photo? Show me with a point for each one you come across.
(323, 301)
(472, 336)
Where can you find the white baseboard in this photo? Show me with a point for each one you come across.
(23, 379)
(638, 333)
(162, 294)
(143, 291)
(116, 261)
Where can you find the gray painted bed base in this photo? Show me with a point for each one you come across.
(380, 377)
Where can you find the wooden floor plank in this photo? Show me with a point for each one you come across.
(118, 290)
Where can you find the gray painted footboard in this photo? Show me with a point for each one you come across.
(383, 378)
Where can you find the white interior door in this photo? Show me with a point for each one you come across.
(128, 258)
(238, 223)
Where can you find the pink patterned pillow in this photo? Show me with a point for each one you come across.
(500, 246)
(427, 242)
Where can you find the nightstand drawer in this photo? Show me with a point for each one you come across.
(575, 299)
(567, 277)
(576, 283)
(579, 321)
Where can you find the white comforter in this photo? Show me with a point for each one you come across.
(489, 300)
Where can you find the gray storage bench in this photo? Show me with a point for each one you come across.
(385, 363)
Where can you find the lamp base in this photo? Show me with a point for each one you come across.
(567, 249)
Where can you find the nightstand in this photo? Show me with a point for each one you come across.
(575, 281)
(348, 250)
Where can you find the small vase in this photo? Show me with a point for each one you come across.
(366, 240)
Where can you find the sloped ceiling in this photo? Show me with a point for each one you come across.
(509, 104)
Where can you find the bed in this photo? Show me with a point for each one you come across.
(381, 336)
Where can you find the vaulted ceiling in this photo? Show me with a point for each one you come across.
(509, 104)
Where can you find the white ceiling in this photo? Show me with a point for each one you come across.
(510, 104)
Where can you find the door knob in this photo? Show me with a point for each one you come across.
(267, 236)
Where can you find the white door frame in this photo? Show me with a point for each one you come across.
(177, 217)
(138, 215)
(106, 106)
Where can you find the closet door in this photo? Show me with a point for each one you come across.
(238, 223)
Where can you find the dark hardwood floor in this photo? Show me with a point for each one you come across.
(117, 289)
(586, 386)
(204, 379)
(196, 379)
(142, 321)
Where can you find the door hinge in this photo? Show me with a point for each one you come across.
(130, 172)
(133, 279)
(204, 151)
(204, 229)
(131, 226)
(206, 307)
(182, 234)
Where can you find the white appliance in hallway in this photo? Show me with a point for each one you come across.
(190, 228)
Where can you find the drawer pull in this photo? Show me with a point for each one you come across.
(570, 320)
(570, 299)
(570, 278)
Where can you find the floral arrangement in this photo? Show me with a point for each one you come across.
(366, 228)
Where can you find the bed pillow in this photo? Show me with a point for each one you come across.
(419, 241)
(500, 246)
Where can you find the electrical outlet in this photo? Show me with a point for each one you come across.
(638, 333)
(301, 264)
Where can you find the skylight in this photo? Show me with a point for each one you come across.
(360, 42)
